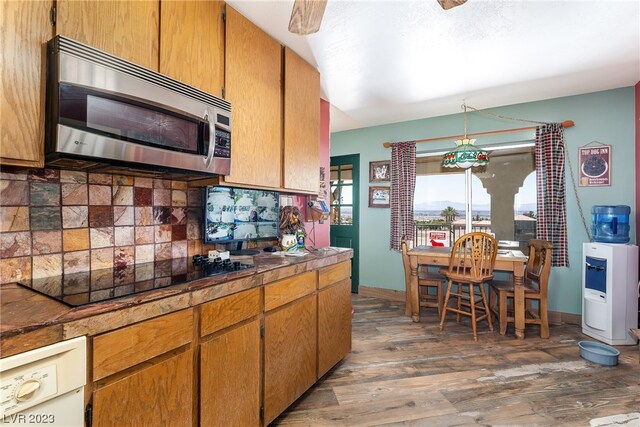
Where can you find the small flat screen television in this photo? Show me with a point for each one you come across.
(240, 214)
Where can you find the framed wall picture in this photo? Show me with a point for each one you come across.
(595, 165)
(380, 171)
(379, 197)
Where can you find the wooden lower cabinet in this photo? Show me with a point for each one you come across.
(240, 360)
(156, 395)
(290, 354)
(334, 325)
(143, 373)
(230, 378)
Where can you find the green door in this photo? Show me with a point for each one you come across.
(345, 212)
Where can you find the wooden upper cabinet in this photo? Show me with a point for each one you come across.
(24, 27)
(127, 29)
(301, 124)
(192, 43)
(253, 74)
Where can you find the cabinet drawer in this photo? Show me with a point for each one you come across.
(334, 274)
(287, 290)
(126, 347)
(227, 311)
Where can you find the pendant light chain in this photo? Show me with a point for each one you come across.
(465, 155)
(487, 113)
(575, 190)
(465, 120)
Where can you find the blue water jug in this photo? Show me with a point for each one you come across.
(610, 224)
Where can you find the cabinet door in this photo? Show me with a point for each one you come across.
(128, 29)
(301, 124)
(253, 86)
(160, 394)
(334, 325)
(192, 43)
(230, 378)
(290, 343)
(24, 27)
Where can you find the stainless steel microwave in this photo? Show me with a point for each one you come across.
(108, 114)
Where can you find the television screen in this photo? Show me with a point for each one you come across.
(237, 214)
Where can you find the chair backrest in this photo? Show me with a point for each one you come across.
(539, 264)
(474, 255)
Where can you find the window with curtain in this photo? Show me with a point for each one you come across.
(503, 196)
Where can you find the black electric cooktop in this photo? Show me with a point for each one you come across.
(88, 287)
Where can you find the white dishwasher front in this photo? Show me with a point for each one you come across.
(45, 386)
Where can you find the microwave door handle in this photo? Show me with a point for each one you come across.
(212, 140)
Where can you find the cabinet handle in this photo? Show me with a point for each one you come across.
(52, 16)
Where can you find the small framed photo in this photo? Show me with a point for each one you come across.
(380, 171)
(379, 197)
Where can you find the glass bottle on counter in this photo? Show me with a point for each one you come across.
(300, 238)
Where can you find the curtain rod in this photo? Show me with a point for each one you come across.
(565, 124)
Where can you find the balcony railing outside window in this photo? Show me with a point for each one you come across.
(524, 230)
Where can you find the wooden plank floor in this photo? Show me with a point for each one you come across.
(405, 374)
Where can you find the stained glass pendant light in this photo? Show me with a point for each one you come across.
(465, 155)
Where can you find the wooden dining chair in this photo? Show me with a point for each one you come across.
(536, 283)
(470, 266)
(426, 280)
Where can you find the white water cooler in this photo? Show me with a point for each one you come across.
(610, 292)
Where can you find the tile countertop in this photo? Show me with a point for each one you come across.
(30, 320)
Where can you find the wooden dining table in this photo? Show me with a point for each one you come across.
(512, 261)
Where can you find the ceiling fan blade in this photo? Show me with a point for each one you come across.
(448, 4)
(306, 16)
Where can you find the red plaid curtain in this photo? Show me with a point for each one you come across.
(552, 202)
(403, 184)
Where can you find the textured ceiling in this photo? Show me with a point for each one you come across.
(390, 61)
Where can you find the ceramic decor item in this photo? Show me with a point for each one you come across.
(289, 243)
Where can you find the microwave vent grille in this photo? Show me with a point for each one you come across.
(73, 164)
(72, 47)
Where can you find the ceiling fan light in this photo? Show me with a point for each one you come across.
(448, 4)
(306, 16)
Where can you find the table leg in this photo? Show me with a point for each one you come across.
(518, 300)
(415, 303)
(407, 293)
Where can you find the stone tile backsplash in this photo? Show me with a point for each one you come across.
(55, 222)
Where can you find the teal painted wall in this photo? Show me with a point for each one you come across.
(607, 117)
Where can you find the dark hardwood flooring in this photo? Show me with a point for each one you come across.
(405, 374)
